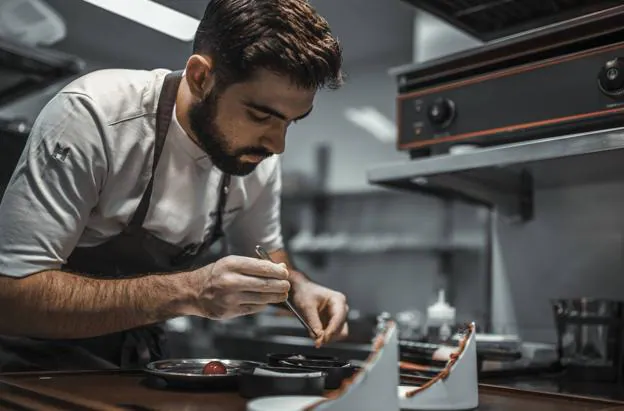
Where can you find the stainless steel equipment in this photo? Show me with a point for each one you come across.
(555, 80)
(489, 20)
(589, 338)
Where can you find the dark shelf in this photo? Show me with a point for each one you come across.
(354, 244)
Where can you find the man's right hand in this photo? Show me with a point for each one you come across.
(235, 286)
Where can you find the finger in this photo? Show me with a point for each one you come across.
(311, 315)
(337, 309)
(248, 297)
(318, 342)
(242, 282)
(344, 332)
(257, 267)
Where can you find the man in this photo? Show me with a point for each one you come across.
(129, 177)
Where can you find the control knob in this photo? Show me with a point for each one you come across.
(441, 112)
(611, 78)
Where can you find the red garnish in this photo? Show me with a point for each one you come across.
(214, 368)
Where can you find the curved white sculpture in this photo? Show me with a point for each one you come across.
(373, 387)
(455, 388)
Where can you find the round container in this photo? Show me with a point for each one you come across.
(188, 373)
(264, 381)
(275, 359)
(336, 370)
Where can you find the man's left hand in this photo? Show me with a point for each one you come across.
(325, 310)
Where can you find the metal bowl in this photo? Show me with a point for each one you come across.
(189, 371)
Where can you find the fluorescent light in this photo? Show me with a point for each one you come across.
(152, 15)
(374, 122)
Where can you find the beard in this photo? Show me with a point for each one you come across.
(214, 142)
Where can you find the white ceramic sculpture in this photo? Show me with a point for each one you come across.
(455, 388)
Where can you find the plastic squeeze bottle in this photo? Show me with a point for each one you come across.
(440, 318)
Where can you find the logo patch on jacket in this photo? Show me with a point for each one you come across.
(60, 153)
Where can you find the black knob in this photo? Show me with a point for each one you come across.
(611, 78)
(441, 112)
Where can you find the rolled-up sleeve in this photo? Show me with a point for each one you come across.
(260, 223)
(54, 187)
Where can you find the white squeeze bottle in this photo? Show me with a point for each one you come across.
(440, 318)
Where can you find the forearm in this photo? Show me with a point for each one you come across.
(56, 304)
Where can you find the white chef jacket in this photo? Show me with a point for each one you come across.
(87, 163)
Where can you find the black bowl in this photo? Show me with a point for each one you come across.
(266, 381)
(275, 359)
(335, 369)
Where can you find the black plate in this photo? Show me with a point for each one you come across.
(275, 359)
(335, 369)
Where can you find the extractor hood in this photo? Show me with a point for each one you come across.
(489, 20)
(25, 70)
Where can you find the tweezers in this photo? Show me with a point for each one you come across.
(265, 256)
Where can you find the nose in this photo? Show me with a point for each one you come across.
(275, 139)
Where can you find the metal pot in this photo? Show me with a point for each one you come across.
(590, 337)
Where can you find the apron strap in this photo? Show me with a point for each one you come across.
(164, 112)
(139, 346)
(217, 229)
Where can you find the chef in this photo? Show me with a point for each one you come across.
(130, 177)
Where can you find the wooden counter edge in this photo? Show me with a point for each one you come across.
(507, 391)
(51, 397)
(56, 396)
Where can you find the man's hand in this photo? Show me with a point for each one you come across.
(325, 310)
(235, 286)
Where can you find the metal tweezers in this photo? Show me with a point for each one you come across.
(265, 256)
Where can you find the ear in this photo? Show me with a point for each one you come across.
(200, 76)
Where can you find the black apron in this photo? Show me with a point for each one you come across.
(134, 252)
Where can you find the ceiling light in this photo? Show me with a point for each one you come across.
(152, 15)
(374, 122)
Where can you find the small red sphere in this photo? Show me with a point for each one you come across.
(214, 368)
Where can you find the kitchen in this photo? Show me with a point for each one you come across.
(516, 233)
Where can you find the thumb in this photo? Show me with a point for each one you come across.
(311, 315)
(284, 266)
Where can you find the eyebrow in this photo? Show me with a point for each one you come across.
(269, 110)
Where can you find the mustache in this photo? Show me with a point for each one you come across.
(254, 151)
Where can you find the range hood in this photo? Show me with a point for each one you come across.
(489, 20)
(25, 70)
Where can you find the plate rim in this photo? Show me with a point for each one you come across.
(149, 368)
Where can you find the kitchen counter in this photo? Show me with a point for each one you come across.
(131, 390)
(93, 390)
(254, 347)
(558, 384)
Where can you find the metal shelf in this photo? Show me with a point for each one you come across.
(378, 243)
(506, 176)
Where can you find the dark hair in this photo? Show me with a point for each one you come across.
(287, 37)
